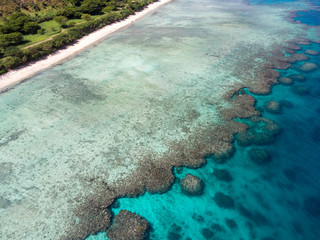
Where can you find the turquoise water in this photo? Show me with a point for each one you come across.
(70, 135)
(270, 199)
(278, 200)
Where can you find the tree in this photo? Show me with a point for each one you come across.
(16, 21)
(71, 12)
(11, 62)
(12, 51)
(86, 17)
(62, 20)
(31, 28)
(92, 6)
(10, 39)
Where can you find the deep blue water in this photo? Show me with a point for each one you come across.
(277, 200)
(310, 17)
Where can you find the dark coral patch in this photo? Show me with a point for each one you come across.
(223, 200)
(222, 175)
(207, 233)
(231, 223)
(255, 216)
(300, 90)
(259, 155)
(286, 104)
(297, 77)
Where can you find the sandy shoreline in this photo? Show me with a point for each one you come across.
(16, 76)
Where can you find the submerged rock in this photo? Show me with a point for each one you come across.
(245, 139)
(231, 223)
(259, 155)
(207, 233)
(286, 103)
(223, 200)
(263, 138)
(312, 52)
(273, 128)
(128, 225)
(273, 107)
(192, 185)
(217, 227)
(222, 175)
(285, 81)
(308, 67)
(300, 90)
(298, 77)
(175, 232)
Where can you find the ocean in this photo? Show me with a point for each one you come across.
(73, 136)
(276, 200)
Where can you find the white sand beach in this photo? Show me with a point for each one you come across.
(16, 76)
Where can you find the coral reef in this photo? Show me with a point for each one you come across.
(308, 67)
(259, 155)
(192, 185)
(312, 52)
(223, 200)
(128, 225)
(273, 107)
(160, 180)
(298, 57)
(285, 81)
(223, 156)
(245, 139)
(261, 131)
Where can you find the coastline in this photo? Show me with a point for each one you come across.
(204, 137)
(17, 76)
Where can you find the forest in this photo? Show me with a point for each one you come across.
(31, 29)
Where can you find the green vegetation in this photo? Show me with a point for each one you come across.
(31, 30)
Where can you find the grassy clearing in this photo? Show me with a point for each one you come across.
(50, 28)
